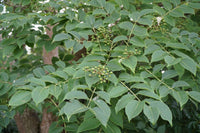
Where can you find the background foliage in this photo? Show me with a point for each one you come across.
(139, 74)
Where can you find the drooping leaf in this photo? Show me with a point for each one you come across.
(190, 65)
(114, 65)
(104, 95)
(164, 110)
(88, 124)
(55, 90)
(180, 84)
(158, 55)
(111, 128)
(126, 25)
(140, 31)
(149, 94)
(49, 79)
(61, 37)
(134, 108)
(38, 72)
(90, 79)
(19, 98)
(119, 38)
(39, 94)
(76, 94)
(131, 63)
(72, 107)
(102, 112)
(117, 91)
(151, 113)
(181, 97)
(195, 95)
(123, 101)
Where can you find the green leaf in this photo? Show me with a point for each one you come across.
(194, 5)
(102, 112)
(137, 42)
(167, 5)
(1, 8)
(129, 78)
(164, 110)
(54, 128)
(158, 55)
(119, 38)
(151, 48)
(37, 81)
(38, 72)
(123, 101)
(88, 124)
(126, 25)
(195, 95)
(181, 97)
(180, 84)
(99, 11)
(55, 90)
(117, 118)
(135, 16)
(90, 79)
(113, 79)
(114, 65)
(151, 113)
(134, 108)
(177, 46)
(190, 65)
(60, 74)
(72, 107)
(117, 91)
(177, 13)
(39, 94)
(140, 31)
(187, 9)
(19, 98)
(159, 10)
(104, 95)
(146, 20)
(131, 63)
(49, 68)
(76, 94)
(170, 20)
(149, 94)
(69, 70)
(49, 79)
(111, 128)
(171, 60)
(169, 74)
(163, 91)
(61, 37)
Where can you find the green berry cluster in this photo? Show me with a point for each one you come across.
(135, 52)
(102, 35)
(101, 71)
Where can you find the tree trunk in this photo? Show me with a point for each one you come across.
(48, 118)
(28, 122)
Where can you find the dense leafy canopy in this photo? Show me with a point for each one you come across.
(141, 69)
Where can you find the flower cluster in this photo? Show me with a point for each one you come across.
(101, 71)
(135, 52)
(102, 35)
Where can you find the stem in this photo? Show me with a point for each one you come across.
(59, 111)
(159, 79)
(91, 97)
(130, 91)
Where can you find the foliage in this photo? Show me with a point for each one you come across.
(139, 74)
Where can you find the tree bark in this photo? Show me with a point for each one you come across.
(28, 122)
(48, 118)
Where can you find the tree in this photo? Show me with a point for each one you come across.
(100, 66)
